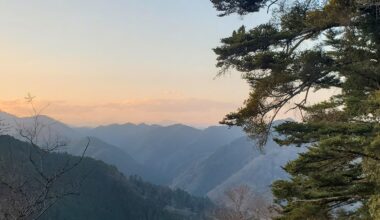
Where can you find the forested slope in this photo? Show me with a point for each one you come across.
(104, 193)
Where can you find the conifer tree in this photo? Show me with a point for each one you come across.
(308, 46)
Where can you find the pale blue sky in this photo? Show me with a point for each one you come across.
(97, 52)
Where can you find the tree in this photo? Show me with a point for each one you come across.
(240, 203)
(309, 46)
(30, 187)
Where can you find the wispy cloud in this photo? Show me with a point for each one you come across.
(192, 111)
(184, 110)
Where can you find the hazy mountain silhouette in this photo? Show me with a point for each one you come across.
(205, 175)
(200, 161)
(112, 155)
(260, 172)
(168, 150)
(49, 127)
(237, 163)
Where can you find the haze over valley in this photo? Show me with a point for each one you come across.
(204, 162)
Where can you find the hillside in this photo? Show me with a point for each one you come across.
(261, 171)
(107, 153)
(213, 170)
(105, 193)
(167, 150)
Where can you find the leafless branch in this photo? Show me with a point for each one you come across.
(28, 194)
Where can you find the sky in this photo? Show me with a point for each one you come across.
(98, 62)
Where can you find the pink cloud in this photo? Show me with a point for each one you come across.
(184, 110)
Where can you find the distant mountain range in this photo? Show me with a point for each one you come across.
(200, 161)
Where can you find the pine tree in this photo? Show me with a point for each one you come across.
(309, 46)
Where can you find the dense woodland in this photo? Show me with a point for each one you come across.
(91, 190)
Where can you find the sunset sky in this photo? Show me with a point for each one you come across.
(115, 61)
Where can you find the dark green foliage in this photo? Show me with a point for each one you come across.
(104, 193)
(241, 7)
(339, 175)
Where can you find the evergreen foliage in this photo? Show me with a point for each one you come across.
(309, 46)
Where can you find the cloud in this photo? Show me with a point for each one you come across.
(192, 111)
(184, 110)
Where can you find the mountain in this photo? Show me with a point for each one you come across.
(200, 161)
(167, 150)
(213, 170)
(260, 172)
(6, 117)
(107, 153)
(52, 130)
(127, 136)
(105, 193)
(49, 128)
(238, 163)
(206, 144)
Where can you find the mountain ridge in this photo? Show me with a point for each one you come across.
(200, 161)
